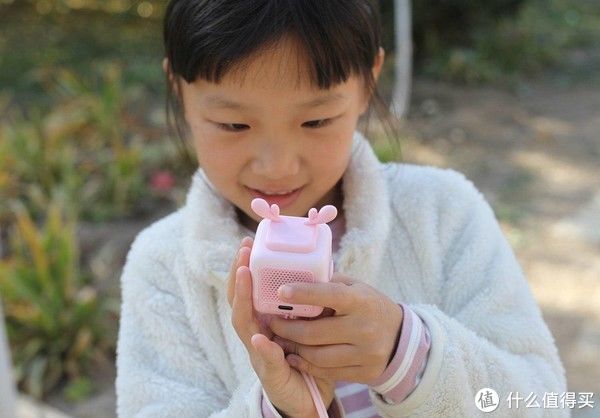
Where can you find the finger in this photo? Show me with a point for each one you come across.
(339, 296)
(241, 258)
(270, 352)
(247, 242)
(324, 331)
(260, 320)
(242, 316)
(336, 355)
(231, 280)
(272, 367)
(244, 257)
(325, 313)
(346, 374)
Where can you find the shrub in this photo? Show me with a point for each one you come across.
(81, 148)
(56, 322)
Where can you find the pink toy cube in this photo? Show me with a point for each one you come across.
(289, 249)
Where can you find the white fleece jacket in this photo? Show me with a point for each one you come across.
(421, 235)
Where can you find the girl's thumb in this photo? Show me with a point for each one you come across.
(271, 353)
(265, 348)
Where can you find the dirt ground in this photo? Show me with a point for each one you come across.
(535, 154)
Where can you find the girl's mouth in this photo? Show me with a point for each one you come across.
(283, 200)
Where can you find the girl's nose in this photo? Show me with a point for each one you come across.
(276, 162)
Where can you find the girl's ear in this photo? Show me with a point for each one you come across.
(165, 65)
(376, 70)
(167, 70)
(379, 58)
(174, 83)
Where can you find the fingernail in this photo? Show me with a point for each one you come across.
(238, 275)
(253, 339)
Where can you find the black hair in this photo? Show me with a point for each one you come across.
(208, 38)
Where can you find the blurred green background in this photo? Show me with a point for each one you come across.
(86, 160)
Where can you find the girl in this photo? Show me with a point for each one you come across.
(428, 304)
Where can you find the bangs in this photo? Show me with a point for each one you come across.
(202, 40)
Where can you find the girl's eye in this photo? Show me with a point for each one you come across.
(233, 127)
(316, 123)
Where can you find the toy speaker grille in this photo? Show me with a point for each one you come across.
(273, 278)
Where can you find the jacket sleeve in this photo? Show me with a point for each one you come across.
(161, 371)
(486, 328)
(406, 368)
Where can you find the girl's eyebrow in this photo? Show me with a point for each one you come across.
(223, 102)
(322, 100)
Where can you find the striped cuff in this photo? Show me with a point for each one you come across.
(269, 411)
(404, 372)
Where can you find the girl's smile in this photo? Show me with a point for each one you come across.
(283, 200)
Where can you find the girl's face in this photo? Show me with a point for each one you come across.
(263, 127)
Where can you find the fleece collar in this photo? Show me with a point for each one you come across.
(212, 232)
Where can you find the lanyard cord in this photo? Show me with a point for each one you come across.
(312, 386)
(314, 391)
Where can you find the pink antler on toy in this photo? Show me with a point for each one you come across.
(261, 208)
(326, 214)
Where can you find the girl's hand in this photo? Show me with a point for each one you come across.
(285, 386)
(355, 345)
